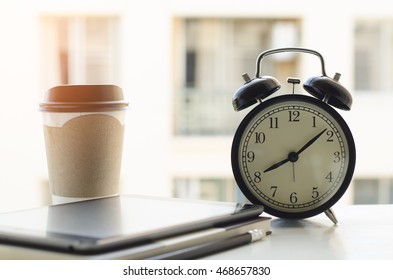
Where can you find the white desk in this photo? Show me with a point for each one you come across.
(363, 232)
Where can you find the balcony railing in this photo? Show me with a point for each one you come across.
(205, 112)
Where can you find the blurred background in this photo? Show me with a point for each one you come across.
(179, 63)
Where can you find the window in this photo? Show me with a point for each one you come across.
(373, 191)
(374, 56)
(206, 189)
(213, 55)
(80, 50)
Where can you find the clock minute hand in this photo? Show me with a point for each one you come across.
(309, 143)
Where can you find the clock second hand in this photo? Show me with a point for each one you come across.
(293, 172)
(294, 156)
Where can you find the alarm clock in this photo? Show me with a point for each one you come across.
(293, 153)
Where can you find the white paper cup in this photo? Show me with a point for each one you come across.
(84, 131)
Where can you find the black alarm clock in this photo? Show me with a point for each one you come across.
(293, 153)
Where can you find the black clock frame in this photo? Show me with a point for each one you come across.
(236, 162)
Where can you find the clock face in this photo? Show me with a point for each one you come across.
(295, 155)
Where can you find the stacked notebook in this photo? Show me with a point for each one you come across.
(130, 227)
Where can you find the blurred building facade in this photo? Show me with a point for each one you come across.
(179, 63)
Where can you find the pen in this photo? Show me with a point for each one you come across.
(202, 250)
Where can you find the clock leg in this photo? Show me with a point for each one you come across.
(331, 215)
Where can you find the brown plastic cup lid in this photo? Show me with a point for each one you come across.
(83, 98)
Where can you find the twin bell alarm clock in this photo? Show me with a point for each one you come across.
(293, 153)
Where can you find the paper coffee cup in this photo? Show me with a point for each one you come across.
(84, 131)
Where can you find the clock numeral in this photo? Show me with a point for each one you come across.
(257, 177)
(315, 193)
(274, 188)
(314, 122)
(294, 116)
(250, 156)
(330, 135)
(260, 137)
(329, 177)
(293, 197)
(337, 157)
(273, 122)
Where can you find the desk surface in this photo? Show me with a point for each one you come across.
(363, 232)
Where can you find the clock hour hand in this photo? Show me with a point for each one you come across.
(276, 165)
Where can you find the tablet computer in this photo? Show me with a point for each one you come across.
(113, 223)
